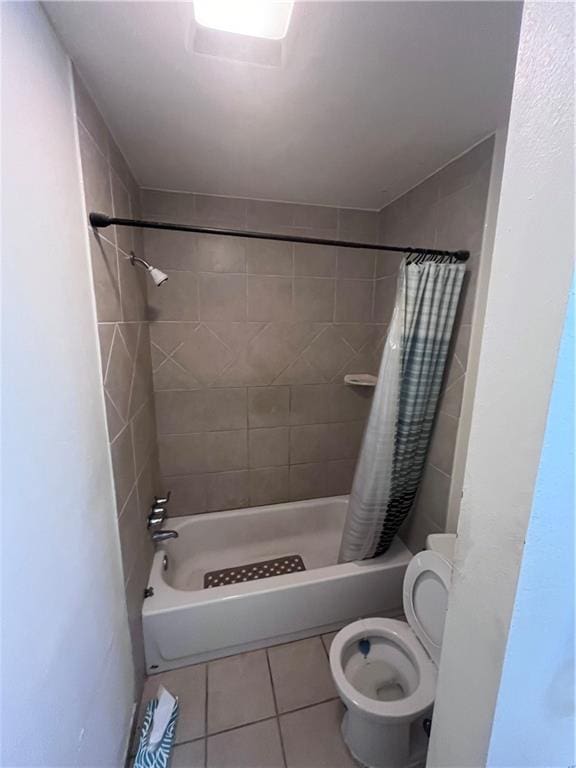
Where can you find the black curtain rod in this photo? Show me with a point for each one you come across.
(101, 220)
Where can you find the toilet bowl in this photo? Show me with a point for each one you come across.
(385, 670)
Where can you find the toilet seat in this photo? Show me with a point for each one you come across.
(399, 633)
(425, 599)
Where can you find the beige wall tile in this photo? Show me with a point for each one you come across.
(189, 494)
(264, 216)
(182, 454)
(451, 398)
(222, 297)
(122, 453)
(227, 490)
(267, 257)
(324, 442)
(133, 290)
(123, 210)
(132, 532)
(441, 451)
(415, 529)
(141, 389)
(170, 250)
(202, 354)
(317, 217)
(168, 206)
(144, 434)
(269, 486)
(354, 301)
(387, 264)
(170, 375)
(209, 209)
(220, 254)
(96, 175)
(104, 260)
(329, 352)
(268, 406)
(176, 299)
(467, 169)
(269, 447)
(313, 299)
(314, 260)
(179, 412)
(269, 298)
(89, 115)
(120, 166)
(358, 226)
(311, 481)
(105, 336)
(226, 450)
(384, 299)
(461, 218)
(432, 499)
(326, 403)
(356, 263)
(118, 381)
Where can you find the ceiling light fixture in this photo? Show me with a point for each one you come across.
(254, 18)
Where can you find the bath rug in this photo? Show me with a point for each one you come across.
(253, 571)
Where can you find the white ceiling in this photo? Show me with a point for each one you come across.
(372, 97)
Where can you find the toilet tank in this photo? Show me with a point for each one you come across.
(442, 543)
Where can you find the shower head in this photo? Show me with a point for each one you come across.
(156, 274)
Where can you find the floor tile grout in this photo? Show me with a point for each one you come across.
(276, 708)
(260, 720)
(206, 718)
(277, 716)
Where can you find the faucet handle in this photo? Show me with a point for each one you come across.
(156, 516)
(162, 499)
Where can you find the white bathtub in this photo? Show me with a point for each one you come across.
(186, 624)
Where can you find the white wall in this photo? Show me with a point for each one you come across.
(539, 663)
(529, 284)
(67, 677)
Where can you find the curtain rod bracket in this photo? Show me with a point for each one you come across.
(101, 220)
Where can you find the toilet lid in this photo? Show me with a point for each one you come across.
(425, 598)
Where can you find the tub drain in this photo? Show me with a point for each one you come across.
(253, 571)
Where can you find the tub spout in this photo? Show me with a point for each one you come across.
(163, 535)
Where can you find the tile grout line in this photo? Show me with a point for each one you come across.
(277, 718)
(206, 717)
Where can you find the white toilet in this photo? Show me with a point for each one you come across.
(385, 670)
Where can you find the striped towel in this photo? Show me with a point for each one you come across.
(158, 756)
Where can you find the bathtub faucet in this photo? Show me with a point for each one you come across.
(163, 535)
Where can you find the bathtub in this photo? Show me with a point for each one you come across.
(184, 623)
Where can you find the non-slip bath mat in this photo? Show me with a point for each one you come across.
(253, 571)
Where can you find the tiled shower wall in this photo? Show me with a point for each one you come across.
(446, 211)
(250, 343)
(125, 350)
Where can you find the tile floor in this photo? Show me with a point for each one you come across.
(274, 708)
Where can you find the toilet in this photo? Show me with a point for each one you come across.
(385, 670)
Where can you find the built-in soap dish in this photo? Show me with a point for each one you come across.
(360, 380)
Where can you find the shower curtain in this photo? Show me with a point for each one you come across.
(400, 424)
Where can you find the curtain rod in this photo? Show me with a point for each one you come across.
(101, 220)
